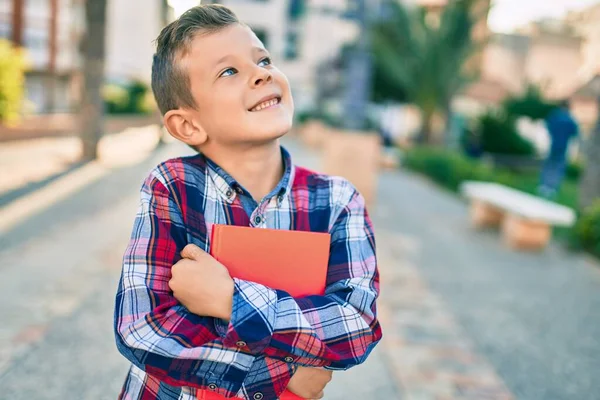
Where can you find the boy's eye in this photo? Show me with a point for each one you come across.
(266, 60)
(228, 72)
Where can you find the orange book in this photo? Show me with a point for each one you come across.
(293, 261)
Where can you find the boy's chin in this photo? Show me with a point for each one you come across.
(273, 133)
(269, 136)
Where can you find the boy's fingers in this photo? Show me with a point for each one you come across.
(192, 252)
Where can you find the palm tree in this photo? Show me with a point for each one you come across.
(426, 54)
(93, 51)
(590, 184)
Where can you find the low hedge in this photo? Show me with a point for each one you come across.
(586, 234)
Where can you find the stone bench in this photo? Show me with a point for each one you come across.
(526, 221)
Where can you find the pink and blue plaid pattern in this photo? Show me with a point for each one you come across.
(174, 352)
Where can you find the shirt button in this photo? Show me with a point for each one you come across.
(258, 396)
(212, 387)
(229, 193)
(258, 219)
(289, 359)
(240, 343)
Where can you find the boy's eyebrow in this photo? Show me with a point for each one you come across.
(228, 56)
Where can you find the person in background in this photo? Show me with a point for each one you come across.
(561, 128)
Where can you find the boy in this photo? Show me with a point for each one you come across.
(188, 328)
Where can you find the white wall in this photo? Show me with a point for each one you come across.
(133, 25)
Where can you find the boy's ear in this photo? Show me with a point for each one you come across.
(183, 127)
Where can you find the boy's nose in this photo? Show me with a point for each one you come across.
(264, 77)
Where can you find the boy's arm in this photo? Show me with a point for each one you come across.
(153, 330)
(337, 330)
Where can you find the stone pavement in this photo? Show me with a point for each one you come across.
(534, 318)
(463, 317)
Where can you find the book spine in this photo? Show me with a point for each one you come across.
(214, 241)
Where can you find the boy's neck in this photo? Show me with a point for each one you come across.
(258, 169)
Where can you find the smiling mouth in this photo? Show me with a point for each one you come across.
(266, 104)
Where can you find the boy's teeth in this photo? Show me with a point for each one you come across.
(265, 105)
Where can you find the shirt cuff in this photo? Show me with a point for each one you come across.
(253, 317)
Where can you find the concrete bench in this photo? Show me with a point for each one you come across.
(526, 220)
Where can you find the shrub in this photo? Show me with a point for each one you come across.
(446, 168)
(12, 81)
(587, 229)
(116, 98)
(450, 169)
(531, 104)
(497, 134)
(574, 171)
(304, 116)
(134, 98)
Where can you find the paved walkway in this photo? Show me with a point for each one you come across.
(534, 317)
(463, 317)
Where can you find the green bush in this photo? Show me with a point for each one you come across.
(304, 116)
(12, 81)
(497, 134)
(115, 98)
(587, 229)
(574, 171)
(134, 98)
(531, 104)
(449, 169)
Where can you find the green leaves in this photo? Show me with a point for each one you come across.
(12, 81)
(426, 55)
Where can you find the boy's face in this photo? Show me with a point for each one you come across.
(231, 76)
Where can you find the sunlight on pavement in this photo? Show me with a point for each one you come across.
(115, 151)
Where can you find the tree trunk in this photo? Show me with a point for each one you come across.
(51, 78)
(590, 184)
(18, 12)
(165, 20)
(426, 134)
(92, 107)
(447, 138)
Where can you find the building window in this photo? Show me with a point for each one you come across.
(297, 8)
(291, 45)
(262, 36)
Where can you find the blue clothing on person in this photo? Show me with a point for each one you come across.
(562, 128)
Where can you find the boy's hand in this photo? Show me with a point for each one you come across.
(310, 383)
(202, 284)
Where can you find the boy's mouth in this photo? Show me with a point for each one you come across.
(270, 101)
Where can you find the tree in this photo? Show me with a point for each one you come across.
(93, 45)
(12, 81)
(426, 55)
(590, 184)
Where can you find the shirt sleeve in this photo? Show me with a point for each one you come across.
(337, 330)
(152, 329)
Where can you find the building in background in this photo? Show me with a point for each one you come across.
(133, 25)
(587, 24)
(561, 56)
(50, 31)
(46, 29)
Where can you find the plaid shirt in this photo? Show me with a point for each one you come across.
(174, 352)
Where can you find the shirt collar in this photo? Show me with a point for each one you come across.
(228, 188)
